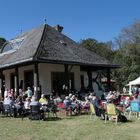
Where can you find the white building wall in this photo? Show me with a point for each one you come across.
(45, 78)
(45, 75)
(85, 78)
(7, 73)
(21, 70)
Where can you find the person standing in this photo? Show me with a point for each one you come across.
(95, 102)
(124, 90)
(29, 92)
(5, 93)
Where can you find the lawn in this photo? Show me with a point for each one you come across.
(68, 128)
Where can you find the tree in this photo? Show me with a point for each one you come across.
(2, 41)
(128, 54)
(100, 48)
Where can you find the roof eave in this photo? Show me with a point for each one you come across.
(16, 63)
(110, 66)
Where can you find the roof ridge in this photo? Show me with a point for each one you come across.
(42, 37)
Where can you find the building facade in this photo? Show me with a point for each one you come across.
(46, 60)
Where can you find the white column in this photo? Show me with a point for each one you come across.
(130, 91)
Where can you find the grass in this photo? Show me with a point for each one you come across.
(68, 128)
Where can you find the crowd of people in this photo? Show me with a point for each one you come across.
(72, 104)
(25, 99)
(18, 103)
(134, 97)
(76, 106)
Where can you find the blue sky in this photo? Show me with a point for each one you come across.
(99, 19)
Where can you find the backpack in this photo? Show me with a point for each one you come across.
(122, 118)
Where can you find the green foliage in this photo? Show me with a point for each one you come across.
(100, 48)
(127, 55)
(89, 43)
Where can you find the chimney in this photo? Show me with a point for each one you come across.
(58, 28)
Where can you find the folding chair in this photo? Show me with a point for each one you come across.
(35, 113)
(25, 113)
(7, 110)
(61, 108)
(1, 108)
(135, 108)
(111, 112)
(51, 110)
(92, 111)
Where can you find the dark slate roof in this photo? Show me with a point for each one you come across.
(56, 47)
(45, 44)
(26, 51)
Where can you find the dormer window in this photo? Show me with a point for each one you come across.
(13, 45)
(6, 48)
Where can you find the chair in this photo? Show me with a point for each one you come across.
(35, 113)
(126, 110)
(7, 110)
(1, 108)
(25, 113)
(51, 110)
(61, 108)
(111, 112)
(85, 109)
(92, 111)
(135, 108)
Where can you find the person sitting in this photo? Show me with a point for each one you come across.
(90, 96)
(110, 97)
(21, 92)
(96, 104)
(43, 100)
(126, 104)
(75, 105)
(86, 105)
(136, 99)
(19, 104)
(35, 113)
(8, 102)
(11, 93)
(27, 104)
(34, 102)
(67, 104)
(70, 96)
(57, 99)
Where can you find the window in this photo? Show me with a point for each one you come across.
(13, 45)
(6, 48)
